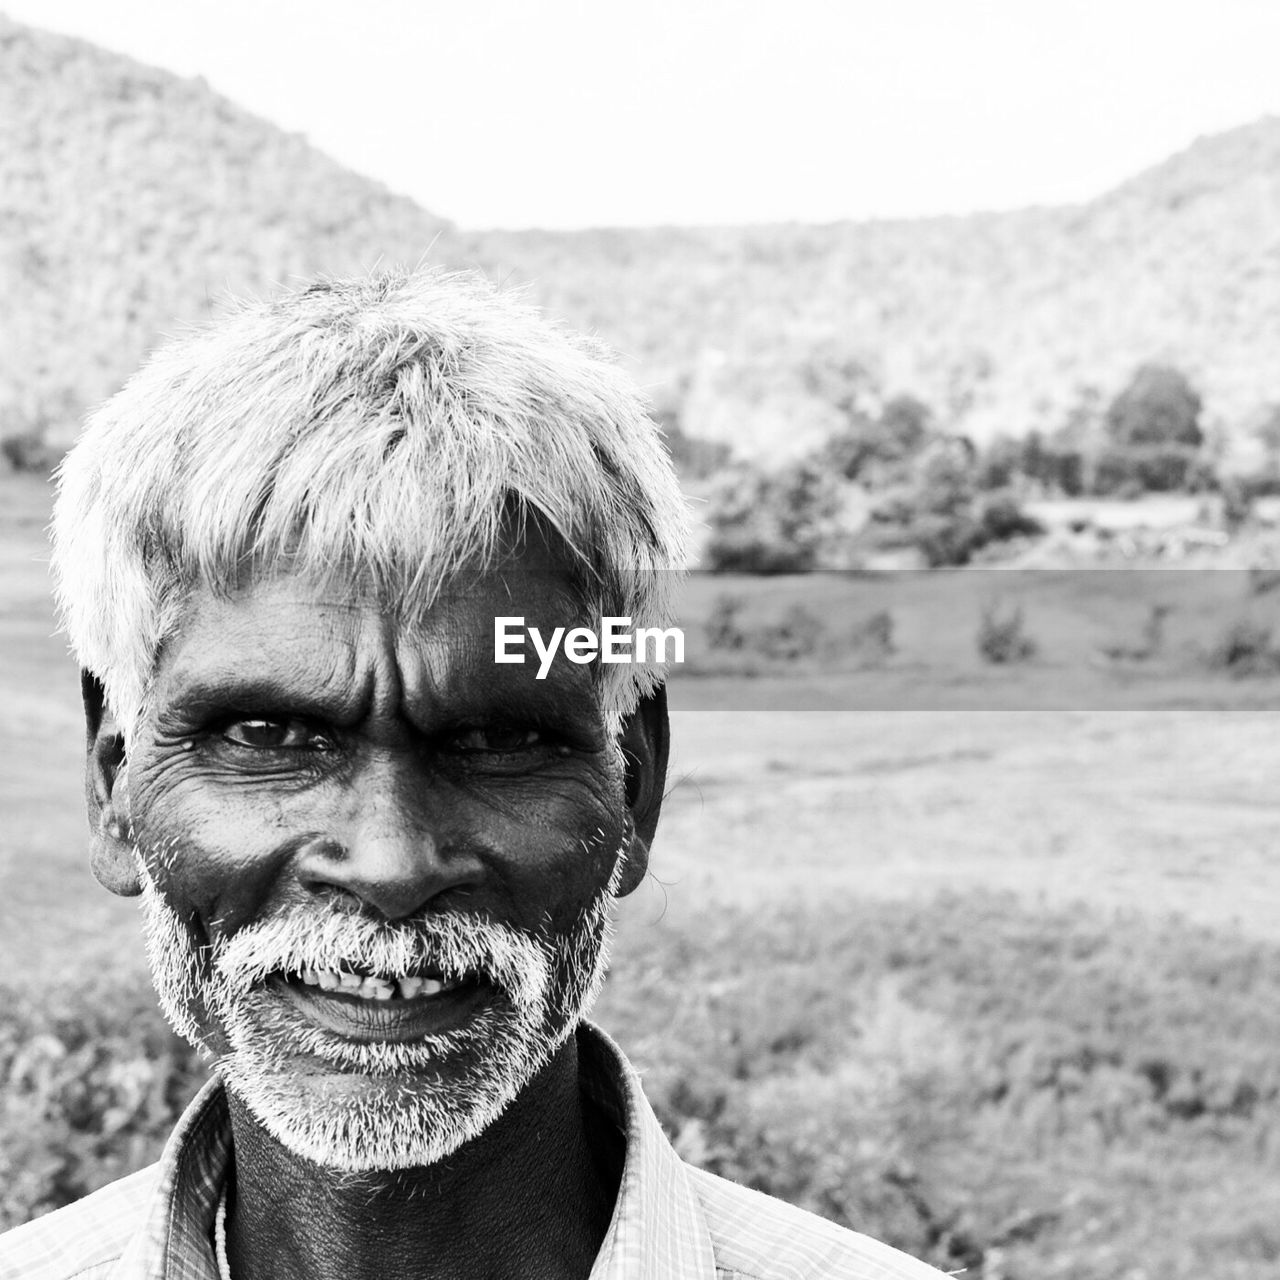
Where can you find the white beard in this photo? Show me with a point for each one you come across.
(359, 1106)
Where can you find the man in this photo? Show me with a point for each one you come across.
(377, 864)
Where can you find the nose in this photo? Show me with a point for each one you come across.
(385, 847)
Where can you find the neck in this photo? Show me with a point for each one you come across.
(532, 1195)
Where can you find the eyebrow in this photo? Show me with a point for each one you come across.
(562, 698)
(221, 691)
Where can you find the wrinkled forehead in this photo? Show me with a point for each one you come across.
(334, 648)
(527, 559)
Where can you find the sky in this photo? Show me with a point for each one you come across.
(574, 113)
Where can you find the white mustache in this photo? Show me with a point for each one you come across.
(457, 946)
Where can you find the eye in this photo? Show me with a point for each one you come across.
(266, 733)
(499, 739)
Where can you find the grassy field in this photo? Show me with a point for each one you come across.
(982, 959)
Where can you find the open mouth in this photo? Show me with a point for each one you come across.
(369, 986)
(371, 1007)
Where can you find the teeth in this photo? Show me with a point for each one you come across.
(371, 987)
(411, 987)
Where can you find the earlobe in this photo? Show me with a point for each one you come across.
(112, 856)
(633, 862)
(646, 741)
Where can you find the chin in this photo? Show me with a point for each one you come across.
(353, 1124)
(330, 1104)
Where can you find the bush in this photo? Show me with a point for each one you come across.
(945, 541)
(1002, 518)
(968, 1077)
(1124, 470)
(724, 630)
(27, 451)
(945, 517)
(1158, 408)
(873, 448)
(1245, 649)
(950, 539)
(873, 639)
(999, 464)
(1054, 464)
(1154, 438)
(744, 551)
(936, 512)
(1237, 505)
(767, 523)
(797, 634)
(1002, 638)
(90, 1086)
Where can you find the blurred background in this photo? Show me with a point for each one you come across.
(960, 319)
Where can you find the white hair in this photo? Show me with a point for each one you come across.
(389, 426)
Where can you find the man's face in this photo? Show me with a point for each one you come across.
(378, 866)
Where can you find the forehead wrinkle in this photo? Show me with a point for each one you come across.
(429, 658)
(447, 668)
(247, 641)
(337, 644)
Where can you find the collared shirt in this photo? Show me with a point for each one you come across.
(670, 1222)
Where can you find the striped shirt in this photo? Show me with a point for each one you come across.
(670, 1222)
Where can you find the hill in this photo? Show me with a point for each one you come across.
(1001, 321)
(132, 199)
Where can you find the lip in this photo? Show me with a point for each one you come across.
(396, 1021)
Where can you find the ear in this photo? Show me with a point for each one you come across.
(646, 742)
(111, 852)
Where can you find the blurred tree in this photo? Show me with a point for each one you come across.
(1159, 406)
(1267, 433)
(946, 478)
(1154, 438)
(853, 448)
(906, 423)
(1077, 443)
(1055, 465)
(942, 521)
(1000, 463)
(877, 446)
(772, 522)
(941, 511)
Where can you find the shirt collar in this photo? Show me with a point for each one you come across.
(175, 1240)
(658, 1229)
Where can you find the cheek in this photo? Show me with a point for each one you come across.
(555, 850)
(211, 859)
